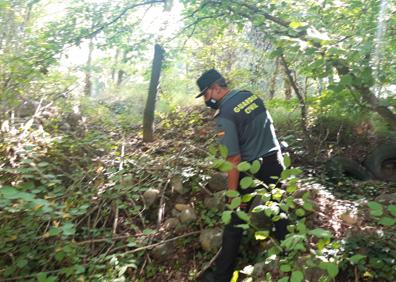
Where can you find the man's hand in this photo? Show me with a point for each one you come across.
(233, 174)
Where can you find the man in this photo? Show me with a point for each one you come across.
(245, 128)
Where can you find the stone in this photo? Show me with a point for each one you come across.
(181, 200)
(162, 252)
(175, 213)
(387, 199)
(349, 218)
(27, 109)
(210, 239)
(301, 192)
(181, 207)
(261, 268)
(171, 223)
(187, 215)
(177, 184)
(310, 273)
(217, 182)
(150, 196)
(216, 201)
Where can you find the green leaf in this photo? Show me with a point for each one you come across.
(226, 217)
(54, 231)
(376, 212)
(21, 262)
(246, 198)
(300, 212)
(243, 226)
(392, 209)
(244, 216)
(9, 192)
(261, 235)
(42, 277)
(387, 221)
(223, 151)
(286, 160)
(236, 202)
(59, 256)
(285, 268)
(68, 229)
(284, 279)
(255, 167)
(297, 276)
(246, 182)
(258, 208)
(346, 80)
(295, 24)
(149, 231)
(276, 53)
(331, 268)
(374, 205)
(301, 227)
(356, 258)
(308, 206)
(320, 233)
(232, 193)
(290, 172)
(217, 163)
(277, 193)
(79, 269)
(225, 166)
(212, 150)
(291, 188)
(243, 166)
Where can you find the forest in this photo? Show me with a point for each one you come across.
(112, 170)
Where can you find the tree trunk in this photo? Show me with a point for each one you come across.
(121, 73)
(148, 117)
(113, 69)
(304, 113)
(287, 87)
(88, 71)
(273, 79)
(368, 96)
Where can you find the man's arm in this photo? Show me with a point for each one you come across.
(233, 174)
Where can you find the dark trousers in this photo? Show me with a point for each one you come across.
(232, 235)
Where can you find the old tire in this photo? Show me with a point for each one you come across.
(382, 162)
(339, 167)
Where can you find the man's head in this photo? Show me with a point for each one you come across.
(212, 86)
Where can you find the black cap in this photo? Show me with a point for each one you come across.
(207, 79)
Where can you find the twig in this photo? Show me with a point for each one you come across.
(29, 276)
(88, 214)
(199, 274)
(97, 215)
(206, 190)
(140, 214)
(104, 239)
(160, 243)
(122, 154)
(143, 266)
(161, 210)
(115, 220)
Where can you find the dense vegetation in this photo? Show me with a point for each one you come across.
(83, 198)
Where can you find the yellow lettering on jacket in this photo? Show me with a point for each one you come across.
(246, 103)
(251, 108)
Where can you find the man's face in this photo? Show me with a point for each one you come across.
(208, 94)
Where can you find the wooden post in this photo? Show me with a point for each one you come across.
(148, 118)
